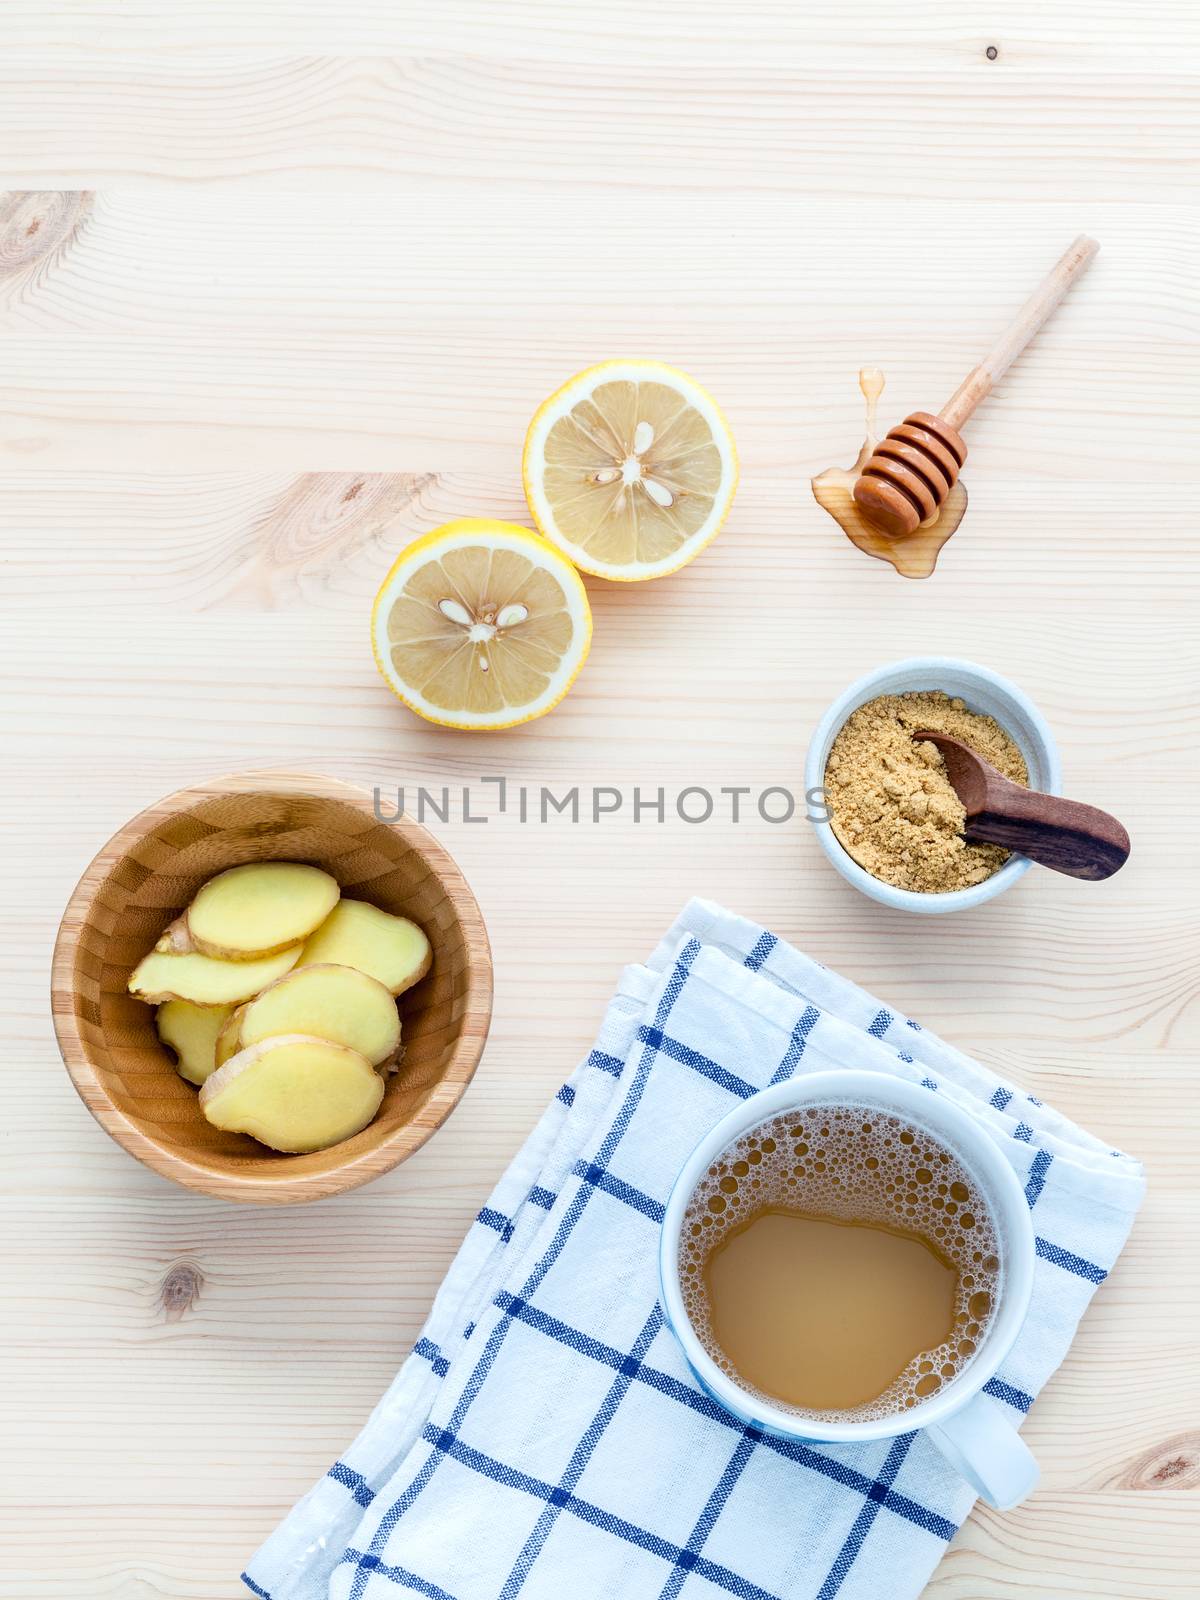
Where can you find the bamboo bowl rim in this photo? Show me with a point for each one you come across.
(284, 1187)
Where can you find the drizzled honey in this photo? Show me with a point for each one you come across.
(914, 557)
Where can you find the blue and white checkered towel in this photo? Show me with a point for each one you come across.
(546, 1439)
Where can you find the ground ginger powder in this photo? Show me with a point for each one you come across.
(891, 804)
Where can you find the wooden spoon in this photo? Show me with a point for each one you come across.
(1064, 835)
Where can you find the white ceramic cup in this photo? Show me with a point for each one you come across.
(982, 690)
(965, 1425)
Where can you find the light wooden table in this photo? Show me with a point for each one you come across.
(336, 255)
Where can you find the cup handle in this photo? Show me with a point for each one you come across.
(982, 1448)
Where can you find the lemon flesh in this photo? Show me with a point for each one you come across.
(481, 625)
(630, 470)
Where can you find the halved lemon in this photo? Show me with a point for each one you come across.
(481, 624)
(630, 469)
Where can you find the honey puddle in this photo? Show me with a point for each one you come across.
(914, 557)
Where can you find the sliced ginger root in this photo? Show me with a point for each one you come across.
(256, 910)
(341, 1004)
(293, 1093)
(204, 980)
(192, 1032)
(391, 1063)
(357, 934)
(218, 974)
(229, 1040)
(175, 939)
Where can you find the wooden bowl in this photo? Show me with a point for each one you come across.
(149, 872)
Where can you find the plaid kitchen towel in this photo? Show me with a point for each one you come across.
(546, 1440)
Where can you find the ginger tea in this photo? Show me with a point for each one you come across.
(840, 1261)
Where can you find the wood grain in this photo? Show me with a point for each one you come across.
(309, 271)
(585, 123)
(1061, 37)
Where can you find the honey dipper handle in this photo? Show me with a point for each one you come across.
(1041, 303)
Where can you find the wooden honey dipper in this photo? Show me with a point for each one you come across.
(911, 471)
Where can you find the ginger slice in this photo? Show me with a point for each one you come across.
(175, 939)
(206, 981)
(192, 1032)
(391, 1063)
(293, 1093)
(337, 1003)
(356, 934)
(229, 1040)
(257, 909)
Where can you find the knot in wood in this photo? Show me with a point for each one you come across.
(180, 1290)
(36, 223)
